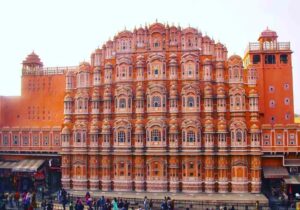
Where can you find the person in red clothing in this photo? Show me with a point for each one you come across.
(16, 198)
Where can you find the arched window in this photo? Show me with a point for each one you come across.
(238, 100)
(78, 137)
(122, 103)
(191, 136)
(155, 135)
(239, 136)
(190, 70)
(190, 102)
(156, 102)
(121, 136)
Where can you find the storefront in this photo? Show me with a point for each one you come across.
(26, 172)
(273, 179)
(7, 181)
(24, 175)
(293, 181)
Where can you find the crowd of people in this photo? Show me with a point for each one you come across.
(28, 201)
(100, 204)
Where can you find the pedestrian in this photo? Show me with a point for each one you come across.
(43, 193)
(232, 207)
(126, 205)
(114, 204)
(64, 200)
(33, 201)
(150, 204)
(120, 204)
(87, 196)
(50, 205)
(16, 198)
(146, 204)
(10, 199)
(44, 204)
(164, 205)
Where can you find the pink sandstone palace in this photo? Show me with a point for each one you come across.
(157, 109)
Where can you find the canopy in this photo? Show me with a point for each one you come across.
(293, 179)
(275, 172)
(7, 164)
(292, 162)
(28, 165)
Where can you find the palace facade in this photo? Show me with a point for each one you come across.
(158, 109)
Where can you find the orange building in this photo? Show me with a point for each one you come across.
(158, 109)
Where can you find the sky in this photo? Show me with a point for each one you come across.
(66, 32)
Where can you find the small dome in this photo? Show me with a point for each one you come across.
(108, 66)
(84, 66)
(253, 92)
(173, 56)
(221, 91)
(140, 57)
(66, 131)
(68, 98)
(208, 90)
(222, 125)
(139, 129)
(94, 128)
(107, 93)
(33, 59)
(173, 128)
(105, 126)
(97, 68)
(173, 62)
(206, 39)
(95, 96)
(268, 34)
(139, 63)
(98, 51)
(208, 125)
(254, 128)
(207, 61)
(219, 65)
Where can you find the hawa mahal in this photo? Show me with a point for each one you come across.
(159, 109)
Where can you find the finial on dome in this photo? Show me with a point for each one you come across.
(156, 20)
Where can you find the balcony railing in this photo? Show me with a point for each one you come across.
(49, 70)
(256, 46)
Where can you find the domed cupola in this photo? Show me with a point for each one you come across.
(32, 62)
(208, 90)
(208, 126)
(221, 92)
(222, 125)
(84, 66)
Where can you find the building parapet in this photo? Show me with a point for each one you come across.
(257, 46)
(49, 70)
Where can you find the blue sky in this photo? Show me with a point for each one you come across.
(63, 33)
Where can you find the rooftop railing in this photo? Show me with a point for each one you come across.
(49, 70)
(267, 46)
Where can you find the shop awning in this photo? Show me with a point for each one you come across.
(291, 162)
(293, 179)
(7, 164)
(275, 172)
(28, 165)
